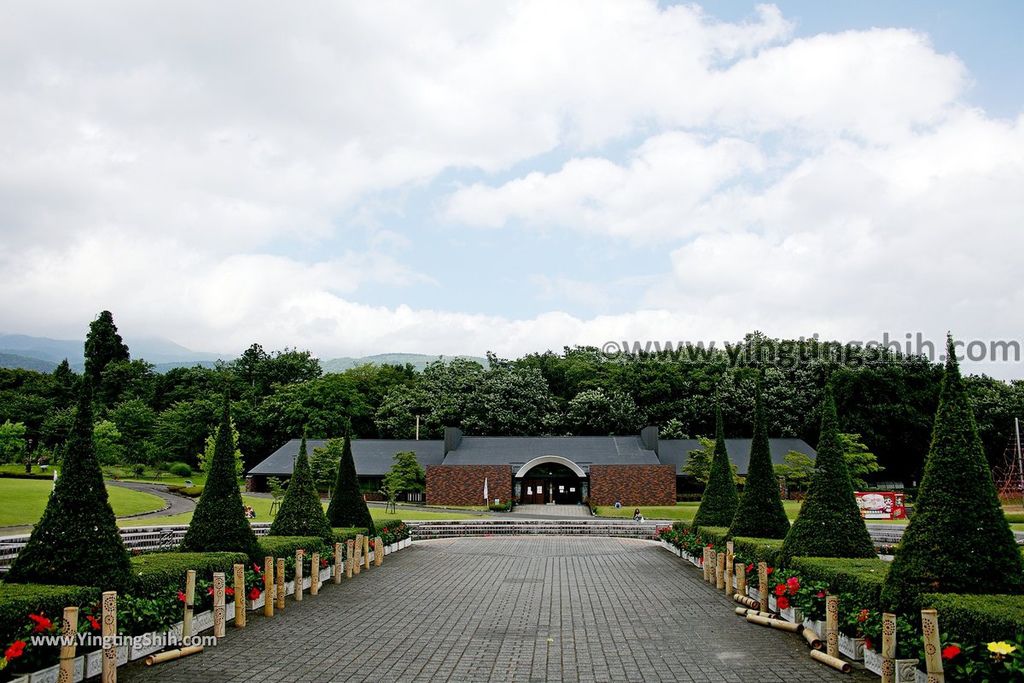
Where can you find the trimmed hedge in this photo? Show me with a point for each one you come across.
(759, 550)
(860, 577)
(342, 534)
(977, 618)
(156, 572)
(18, 600)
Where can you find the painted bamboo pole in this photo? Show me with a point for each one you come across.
(300, 555)
(729, 589)
(778, 624)
(337, 563)
(171, 655)
(218, 604)
(762, 585)
(828, 660)
(279, 589)
(932, 646)
(811, 636)
(190, 601)
(720, 571)
(239, 595)
(888, 648)
(740, 572)
(748, 602)
(832, 625)
(357, 560)
(378, 551)
(729, 554)
(109, 667)
(314, 573)
(366, 552)
(349, 557)
(706, 564)
(268, 586)
(69, 642)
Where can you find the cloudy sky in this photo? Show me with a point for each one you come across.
(456, 177)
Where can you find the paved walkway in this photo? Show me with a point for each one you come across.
(175, 504)
(508, 609)
(551, 511)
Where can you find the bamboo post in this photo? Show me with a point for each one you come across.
(357, 560)
(190, 599)
(728, 576)
(832, 625)
(218, 605)
(279, 577)
(378, 551)
(932, 646)
(239, 595)
(762, 585)
(741, 578)
(720, 570)
(109, 667)
(314, 572)
(349, 557)
(888, 648)
(711, 564)
(366, 552)
(268, 586)
(337, 563)
(707, 562)
(300, 554)
(69, 642)
(729, 555)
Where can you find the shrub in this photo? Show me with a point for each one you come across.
(77, 540)
(219, 523)
(501, 507)
(285, 547)
(760, 513)
(347, 506)
(392, 530)
(720, 500)
(958, 540)
(829, 523)
(154, 573)
(759, 550)
(301, 513)
(180, 469)
(977, 618)
(342, 534)
(17, 601)
(861, 578)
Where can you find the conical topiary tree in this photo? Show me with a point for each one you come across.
(720, 500)
(300, 513)
(347, 506)
(958, 539)
(77, 540)
(760, 513)
(219, 522)
(829, 523)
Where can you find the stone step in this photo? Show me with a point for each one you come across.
(574, 527)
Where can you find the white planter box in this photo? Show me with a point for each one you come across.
(229, 611)
(307, 581)
(853, 648)
(873, 661)
(792, 614)
(773, 605)
(257, 603)
(289, 588)
(20, 679)
(393, 548)
(47, 675)
(404, 543)
(906, 671)
(922, 677)
(79, 673)
(145, 644)
(94, 663)
(201, 622)
(325, 574)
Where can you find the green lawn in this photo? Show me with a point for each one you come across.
(679, 511)
(25, 499)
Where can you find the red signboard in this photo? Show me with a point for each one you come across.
(881, 504)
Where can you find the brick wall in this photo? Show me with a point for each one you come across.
(464, 484)
(633, 484)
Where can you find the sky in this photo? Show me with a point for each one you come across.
(461, 177)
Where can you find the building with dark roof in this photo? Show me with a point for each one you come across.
(637, 469)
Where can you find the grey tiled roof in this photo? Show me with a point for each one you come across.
(583, 450)
(676, 451)
(373, 457)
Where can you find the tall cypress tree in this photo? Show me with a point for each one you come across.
(301, 513)
(720, 500)
(347, 506)
(760, 513)
(829, 523)
(77, 540)
(103, 345)
(958, 539)
(219, 522)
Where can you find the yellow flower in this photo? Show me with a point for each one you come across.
(1001, 648)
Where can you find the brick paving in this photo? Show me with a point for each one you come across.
(508, 609)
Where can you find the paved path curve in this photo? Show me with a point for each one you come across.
(508, 609)
(175, 504)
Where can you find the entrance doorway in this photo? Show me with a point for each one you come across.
(551, 483)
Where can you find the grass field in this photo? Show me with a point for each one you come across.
(25, 499)
(680, 511)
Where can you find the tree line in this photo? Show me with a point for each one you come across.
(142, 416)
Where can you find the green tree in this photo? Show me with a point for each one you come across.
(57, 427)
(395, 418)
(324, 463)
(673, 429)
(205, 457)
(860, 461)
(720, 499)
(107, 442)
(13, 447)
(136, 422)
(698, 461)
(511, 401)
(77, 540)
(301, 513)
(219, 522)
(406, 474)
(595, 411)
(347, 507)
(797, 469)
(103, 345)
(958, 539)
(829, 523)
(181, 429)
(65, 384)
(760, 513)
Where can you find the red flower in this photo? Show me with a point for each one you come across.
(15, 650)
(820, 594)
(255, 593)
(783, 602)
(770, 570)
(256, 568)
(209, 591)
(950, 651)
(42, 623)
(867, 643)
(93, 621)
(793, 584)
(181, 596)
(750, 567)
(863, 615)
(780, 589)
(711, 545)
(229, 591)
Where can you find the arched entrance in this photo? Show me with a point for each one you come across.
(551, 479)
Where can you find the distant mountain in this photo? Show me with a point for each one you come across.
(12, 360)
(24, 351)
(417, 360)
